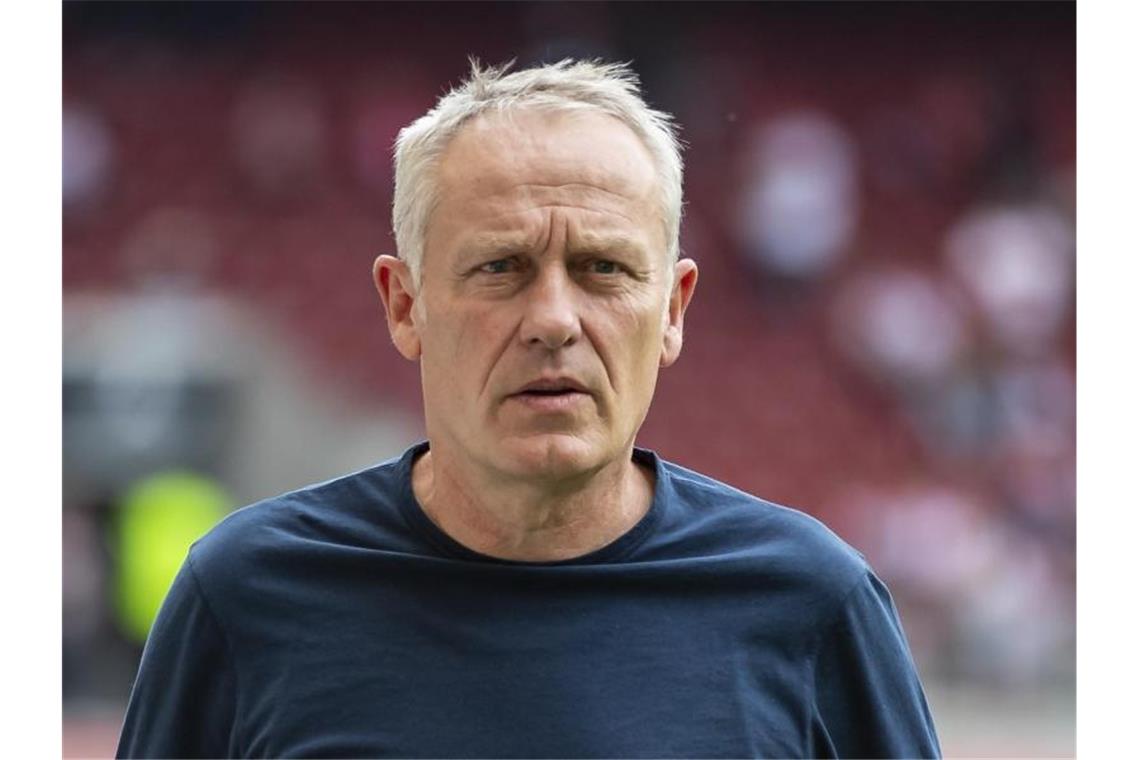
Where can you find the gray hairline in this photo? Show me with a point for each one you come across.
(609, 88)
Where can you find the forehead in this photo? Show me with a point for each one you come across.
(503, 163)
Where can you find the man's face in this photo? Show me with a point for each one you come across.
(547, 301)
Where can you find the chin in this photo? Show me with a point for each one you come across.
(551, 455)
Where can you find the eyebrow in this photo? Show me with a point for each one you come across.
(606, 243)
(495, 243)
(585, 243)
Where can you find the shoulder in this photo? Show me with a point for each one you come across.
(780, 542)
(357, 510)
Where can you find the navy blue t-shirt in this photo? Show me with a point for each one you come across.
(339, 621)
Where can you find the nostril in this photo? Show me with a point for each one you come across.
(551, 337)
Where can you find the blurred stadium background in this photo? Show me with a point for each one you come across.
(881, 198)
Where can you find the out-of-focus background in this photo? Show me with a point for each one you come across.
(881, 198)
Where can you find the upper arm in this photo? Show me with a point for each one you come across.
(184, 698)
(868, 698)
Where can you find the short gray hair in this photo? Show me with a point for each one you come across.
(610, 88)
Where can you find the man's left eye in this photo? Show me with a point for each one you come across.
(602, 266)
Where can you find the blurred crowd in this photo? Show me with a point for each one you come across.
(881, 199)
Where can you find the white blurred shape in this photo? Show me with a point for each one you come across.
(1018, 624)
(1016, 263)
(942, 550)
(936, 540)
(901, 326)
(799, 206)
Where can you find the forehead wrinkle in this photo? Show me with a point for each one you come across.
(587, 197)
(529, 230)
(640, 213)
(536, 197)
(513, 229)
(587, 187)
(499, 241)
(588, 209)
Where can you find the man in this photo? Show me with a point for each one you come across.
(527, 583)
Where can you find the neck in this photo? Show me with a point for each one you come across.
(534, 521)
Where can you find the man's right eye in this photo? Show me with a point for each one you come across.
(499, 266)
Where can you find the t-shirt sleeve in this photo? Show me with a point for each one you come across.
(183, 700)
(868, 699)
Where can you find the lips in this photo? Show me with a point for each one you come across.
(552, 386)
(556, 396)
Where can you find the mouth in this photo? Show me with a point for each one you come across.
(552, 387)
(551, 394)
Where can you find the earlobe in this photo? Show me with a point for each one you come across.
(393, 281)
(684, 283)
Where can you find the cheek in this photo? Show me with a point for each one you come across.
(633, 341)
(461, 348)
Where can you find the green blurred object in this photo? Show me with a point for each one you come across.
(159, 518)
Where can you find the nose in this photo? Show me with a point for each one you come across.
(550, 319)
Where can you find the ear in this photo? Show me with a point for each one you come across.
(684, 283)
(397, 291)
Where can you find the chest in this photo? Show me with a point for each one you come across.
(440, 666)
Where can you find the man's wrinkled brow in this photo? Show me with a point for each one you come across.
(606, 243)
(480, 245)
